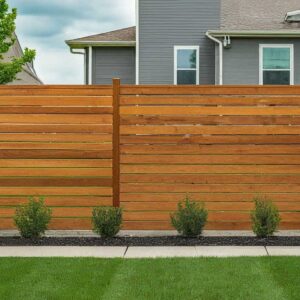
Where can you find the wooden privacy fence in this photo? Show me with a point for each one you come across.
(56, 141)
(144, 147)
(222, 145)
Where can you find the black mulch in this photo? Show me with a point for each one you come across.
(151, 241)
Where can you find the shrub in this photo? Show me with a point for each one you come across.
(190, 218)
(32, 219)
(107, 221)
(265, 217)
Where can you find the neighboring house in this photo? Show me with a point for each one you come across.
(28, 76)
(199, 42)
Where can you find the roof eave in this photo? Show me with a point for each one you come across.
(254, 33)
(84, 44)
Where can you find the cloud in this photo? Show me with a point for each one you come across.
(45, 25)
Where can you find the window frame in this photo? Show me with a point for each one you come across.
(197, 48)
(261, 57)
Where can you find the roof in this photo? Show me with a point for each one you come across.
(28, 74)
(257, 15)
(120, 37)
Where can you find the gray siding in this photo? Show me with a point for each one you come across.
(164, 24)
(241, 62)
(110, 62)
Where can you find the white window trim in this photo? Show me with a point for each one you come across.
(292, 68)
(197, 48)
(90, 81)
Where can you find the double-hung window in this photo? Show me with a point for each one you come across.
(186, 65)
(276, 64)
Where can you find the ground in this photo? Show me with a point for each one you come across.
(262, 278)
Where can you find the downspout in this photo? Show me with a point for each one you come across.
(84, 54)
(220, 56)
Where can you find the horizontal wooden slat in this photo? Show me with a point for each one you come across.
(55, 119)
(52, 91)
(56, 110)
(56, 101)
(210, 120)
(55, 128)
(209, 90)
(208, 169)
(63, 201)
(56, 163)
(210, 149)
(196, 110)
(57, 181)
(210, 178)
(241, 100)
(211, 159)
(161, 129)
(210, 206)
(207, 197)
(60, 191)
(56, 137)
(55, 172)
(210, 139)
(55, 154)
(57, 146)
(210, 188)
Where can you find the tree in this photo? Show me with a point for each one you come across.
(10, 69)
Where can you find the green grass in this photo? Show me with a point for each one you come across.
(204, 278)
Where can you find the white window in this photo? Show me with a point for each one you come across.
(186, 65)
(276, 64)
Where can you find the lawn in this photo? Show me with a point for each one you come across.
(204, 278)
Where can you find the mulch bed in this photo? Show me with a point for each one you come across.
(151, 241)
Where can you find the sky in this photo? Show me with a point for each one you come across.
(45, 25)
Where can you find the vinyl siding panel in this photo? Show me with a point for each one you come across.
(164, 24)
(110, 62)
(241, 61)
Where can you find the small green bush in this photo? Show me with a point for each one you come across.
(32, 219)
(265, 217)
(107, 221)
(190, 218)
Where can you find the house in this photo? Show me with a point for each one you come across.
(199, 42)
(28, 76)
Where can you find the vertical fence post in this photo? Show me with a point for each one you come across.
(116, 142)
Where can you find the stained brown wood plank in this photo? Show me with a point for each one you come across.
(210, 149)
(55, 128)
(207, 197)
(210, 178)
(56, 181)
(225, 130)
(208, 169)
(241, 100)
(55, 163)
(56, 146)
(54, 137)
(59, 191)
(30, 172)
(64, 91)
(55, 110)
(211, 159)
(210, 188)
(196, 110)
(210, 120)
(63, 201)
(55, 154)
(55, 119)
(209, 90)
(213, 139)
(56, 101)
(210, 206)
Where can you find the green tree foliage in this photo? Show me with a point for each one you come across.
(10, 69)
